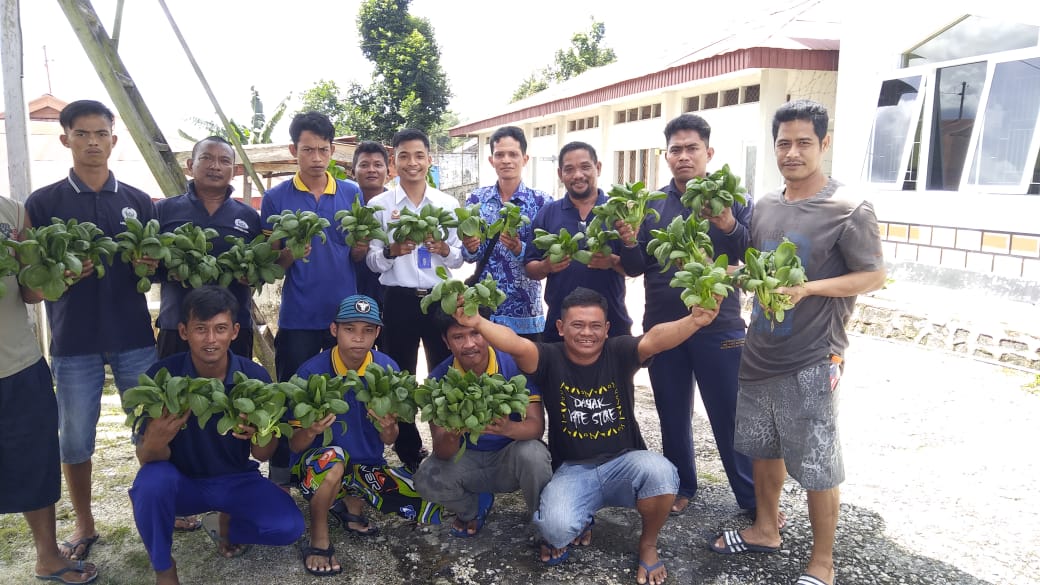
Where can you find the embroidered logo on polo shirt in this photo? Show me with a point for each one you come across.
(241, 225)
(363, 307)
(6, 231)
(129, 213)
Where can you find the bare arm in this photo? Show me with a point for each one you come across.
(846, 285)
(154, 444)
(665, 336)
(445, 442)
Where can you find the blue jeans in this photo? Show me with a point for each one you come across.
(79, 380)
(577, 491)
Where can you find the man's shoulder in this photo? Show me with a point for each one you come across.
(441, 369)
(319, 364)
(281, 189)
(174, 364)
(383, 360)
(347, 186)
(55, 189)
(133, 192)
(384, 199)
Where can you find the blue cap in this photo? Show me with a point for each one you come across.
(359, 308)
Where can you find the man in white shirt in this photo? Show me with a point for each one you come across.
(408, 271)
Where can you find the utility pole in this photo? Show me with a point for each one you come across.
(16, 114)
(127, 99)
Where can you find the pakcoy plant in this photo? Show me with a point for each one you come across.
(143, 241)
(709, 196)
(629, 202)
(314, 398)
(684, 239)
(561, 245)
(703, 284)
(152, 397)
(385, 391)
(261, 403)
(52, 256)
(472, 224)
(429, 223)
(446, 292)
(298, 228)
(255, 263)
(190, 262)
(764, 272)
(510, 218)
(8, 267)
(360, 224)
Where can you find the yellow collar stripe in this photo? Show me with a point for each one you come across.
(330, 184)
(341, 368)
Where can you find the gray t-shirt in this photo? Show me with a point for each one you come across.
(18, 346)
(836, 233)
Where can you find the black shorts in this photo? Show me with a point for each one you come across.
(30, 468)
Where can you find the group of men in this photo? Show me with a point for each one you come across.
(770, 393)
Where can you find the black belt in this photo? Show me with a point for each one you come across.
(419, 292)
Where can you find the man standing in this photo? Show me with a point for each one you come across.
(788, 402)
(579, 171)
(188, 470)
(98, 321)
(508, 455)
(522, 309)
(340, 477)
(409, 271)
(29, 417)
(710, 358)
(589, 394)
(371, 171)
(207, 204)
(313, 288)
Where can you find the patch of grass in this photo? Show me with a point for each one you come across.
(14, 532)
(708, 477)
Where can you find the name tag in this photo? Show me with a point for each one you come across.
(425, 260)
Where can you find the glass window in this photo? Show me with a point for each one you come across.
(972, 36)
(956, 106)
(897, 110)
(1005, 145)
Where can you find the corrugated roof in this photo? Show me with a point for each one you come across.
(804, 25)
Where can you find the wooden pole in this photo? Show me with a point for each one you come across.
(16, 113)
(232, 134)
(127, 99)
(118, 25)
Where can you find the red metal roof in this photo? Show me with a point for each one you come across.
(738, 60)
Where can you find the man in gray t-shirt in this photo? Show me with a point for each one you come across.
(787, 403)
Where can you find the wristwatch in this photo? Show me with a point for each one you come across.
(386, 253)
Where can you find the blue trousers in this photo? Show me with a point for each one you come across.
(712, 362)
(261, 513)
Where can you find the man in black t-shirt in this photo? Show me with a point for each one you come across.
(598, 452)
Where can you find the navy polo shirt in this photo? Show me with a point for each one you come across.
(313, 289)
(662, 301)
(361, 440)
(202, 453)
(561, 213)
(96, 315)
(232, 218)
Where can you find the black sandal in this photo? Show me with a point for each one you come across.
(339, 510)
(310, 551)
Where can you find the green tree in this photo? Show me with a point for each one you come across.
(257, 132)
(409, 88)
(584, 53)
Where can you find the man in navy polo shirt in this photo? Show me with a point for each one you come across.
(579, 172)
(313, 289)
(207, 204)
(188, 470)
(97, 321)
(371, 171)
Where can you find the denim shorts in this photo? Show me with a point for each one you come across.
(794, 418)
(79, 380)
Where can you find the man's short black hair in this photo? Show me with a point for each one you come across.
(206, 302)
(445, 322)
(583, 297)
(688, 122)
(371, 147)
(807, 110)
(81, 108)
(577, 146)
(315, 122)
(509, 132)
(219, 139)
(410, 134)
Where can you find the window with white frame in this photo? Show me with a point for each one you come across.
(960, 123)
(636, 165)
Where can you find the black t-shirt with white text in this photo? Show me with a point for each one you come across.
(590, 409)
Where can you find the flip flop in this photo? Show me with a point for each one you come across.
(649, 569)
(188, 523)
(553, 561)
(79, 567)
(211, 523)
(673, 512)
(807, 579)
(735, 544)
(86, 542)
(339, 510)
(485, 501)
(310, 551)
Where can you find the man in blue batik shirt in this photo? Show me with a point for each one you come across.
(522, 310)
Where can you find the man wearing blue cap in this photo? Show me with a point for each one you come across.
(350, 470)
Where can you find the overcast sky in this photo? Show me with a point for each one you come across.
(282, 48)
